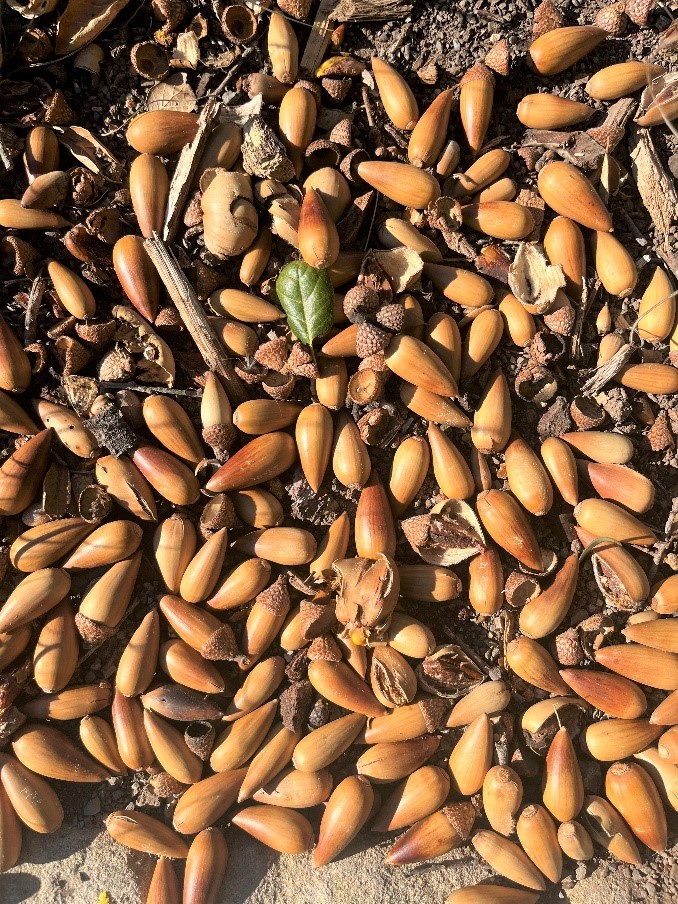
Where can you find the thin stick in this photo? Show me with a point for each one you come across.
(182, 179)
(319, 38)
(186, 301)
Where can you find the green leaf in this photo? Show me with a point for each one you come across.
(307, 297)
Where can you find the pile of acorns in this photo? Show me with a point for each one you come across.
(224, 692)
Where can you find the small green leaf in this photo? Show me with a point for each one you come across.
(307, 297)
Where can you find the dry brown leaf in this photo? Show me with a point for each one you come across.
(173, 94)
(83, 21)
(89, 151)
(533, 280)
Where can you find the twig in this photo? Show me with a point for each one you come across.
(319, 38)
(186, 302)
(666, 542)
(587, 299)
(38, 287)
(137, 387)
(608, 371)
(188, 161)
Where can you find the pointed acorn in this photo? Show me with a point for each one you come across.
(346, 812)
(502, 797)
(142, 832)
(313, 434)
(539, 839)
(563, 792)
(396, 95)
(475, 104)
(202, 804)
(279, 828)
(437, 834)
(318, 237)
(149, 190)
(561, 48)
(136, 665)
(21, 474)
(402, 183)
(630, 789)
(164, 887)
(262, 459)
(508, 859)
(428, 136)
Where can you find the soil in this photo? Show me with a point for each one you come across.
(80, 861)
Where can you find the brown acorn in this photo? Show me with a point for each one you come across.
(531, 662)
(350, 459)
(657, 309)
(174, 544)
(41, 546)
(604, 519)
(34, 800)
(482, 172)
(241, 584)
(149, 190)
(164, 887)
(313, 434)
(621, 484)
(549, 111)
(499, 219)
(332, 188)
(32, 597)
(402, 183)
(563, 792)
(543, 614)
(502, 796)
(609, 830)
(200, 630)
(374, 529)
(241, 739)
(205, 867)
(463, 287)
(202, 572)
(437, 834)
(137, 275)
(428, 583)
(443, 338)
(575, 841)
(21, 474)
(621, 79)
(664, 774)
(611, 694)
(15, 368)
(261, 416)
(51, 753)
(168, 476)
(618, 738)
(498, 894)
(396, 95)
(73, 292)
(203, 803)
(187, 667)
(428, 137)
(296, 119)
(471, 757)
(667, 711)
(631, 661)
(296, 790)
(339, 684)
(283, 48)
(105, 545)
(127, 486)
(561, 48)
(615, 267)
(631, 790)
(507, 859)
(243, 306)
(564, 245)
(13, 419)
(509, 527)
(538, 837)
(346, 812)
(273, 756)
(413, 799)
(475, 104)
(486, 582)
(142, 832)
(14, 216)
(527, 478)
(568, 192)
(12, 645)
(261, 459)
(279, 828)
(171, 426)
(658, 379)
(42, 152)
(432, 407)
(10, 833)
(604, 448)
(329, 742)
(391, 761)
(162, 131)
(318, 237)
(107, 599)
(98, 739)
(72, 703)
(136, 665)
(413, 361)
(128, 723)
(493, 415)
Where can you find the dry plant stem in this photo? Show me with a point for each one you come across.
(180, 185)
(655, 186)
(319, 39)
(38, 287)
(186, 301)
(587, 299)
(151, 390)
(372, 10)
(609, 370)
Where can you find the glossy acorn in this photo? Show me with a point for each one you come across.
(105, 545)
(205, 802)
(396, 95)
(561, 48)
(611, 694)
(491, 697)
(137, 663)
(43, 545)
(538, 836)
(493, 416)
(21, 474)
(461, 286)
(48, 752)
(98, 738)
(630, 789)
(439, 833)
(531, 662)
(164, 887)
(608, 829)
(428, 136)
(568, 192)
(201, 630)
(549, 111)
(414, 798)
(261, 459)
(563, 791)
(475, 104)
(205, 867)
(162, 131)
(502, 797)
(33, 799)
(142, 832)
(621, 79)
(127, 486)
(528, 480)
(401, 182)
(657, 309)
(471, 757)
(508, 859)
(346, 812)
(279, 828)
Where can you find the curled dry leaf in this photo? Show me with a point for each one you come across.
(533, 280)
(368, 592)
(88, 150)
(83, 21)
(449, 534)
(173, 94)
(448, 672)
(156, 364)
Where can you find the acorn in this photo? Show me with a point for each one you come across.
(404, 723)
(187, 667)
(50, 753)
(332, 188)
(396, 95)
(618, 738)
(615, 482)
(241, 584)
(33, 800)
(281, 545)
(481, 340)
(296, 790)
(242, 738)
(105, 545)
(605, 519)
(561, 48)
(41, 155)
(621, 79)
(664, 774)
(202, 572)
(437, 834)
(413, 799)
(273, 756)
(658, 379)
(486, 582)
(390, 761)
(568, 192)
(259, 416)
(443, 338)
(72, 703)
(343, 343)
(127, 486)
(261, 683)
(527, 478)
(493, 415)
(45, 191)
(631, 661)
(279, 828)
(667, 711)
(345, 814)
(615, 267)
(318, 237)
(261, 459)
(432, 407)
(296, 120)
(538, 837)
(244, 306)
(32, 597)
(170, 425)
(149, 190)
(452, 473)
(374, 529)
(170, 749)
(657, 309)
(142, 832)
(531, 662)
(256, 258)
(575, 841)
(609, 830)
(313, 434)
(630, 789)
(509, 527)
(164, 887)
(475, 104)
(401, 182)
(408, 472)
(205, 802)
(14, 216)
(168, 476)
(482, 172)
(107, 599)
(265, 619)
(428, 583)
(498, 894)
(499, 219)
(503, 190)
(502, 796)
(668, 745)
(460, 286)
(549, 111)
(200, 630)
(136, 665)
(42, 545)
(471, 757)
(13, 419)
(661, 109)
(665, 596)
(564, 245)
(605, 448)
(427, 139)
(563, 792)
(491, 697)
(13, 643)
(507, 859)
(543, 614)
(15, 368)
(162, 132)
(611, 694)
(98, 739)
(339, 684)
(72, 291)
(283, 48)
(205, 867)
(174, 544)
(332, 382)
(21, 474)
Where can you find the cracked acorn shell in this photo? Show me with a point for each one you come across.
(401, 182)
(162, 131)
(549, 111)
(413, 799)
(34, 800)
(630, 789)
(279, 828)
(605, 519)
(128, 487)
(346, 813)
(507, 859)
(561, 48)
(609, 830)
(142, 832)
(396, 95)
(502, 796)
(568, 192)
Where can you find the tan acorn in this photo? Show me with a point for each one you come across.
(498, 894)
(136, 665)
(443, 338)
(260, 684)
(502, 796)
(15, 368)
(452, 473)
(493, 415)
(563, 792)
(73, 292)
(568, 192)
(664, 774)
(527, 478)
(34, 800)
(241, 584)
(463, 287)
(137, 275)
(486, 582)
(170, 749)
(561, 48)
(205, 867)
(12, 644)
(668, 745)
(261, 459)
(543, 614)
(531, 662)
(162, 131)
(257, 507)
(107, 599)
(615, 267)
(408, 472)
(402, 183)
(412, 360)
(130, 734)
(630, 661)
(345, 814)
(273, 756)
(536, 716)
(313, 434)
(127, 486)
(390, 761)
(14, 216)
(404, 723)
(432, 407)
(241, 739)
(428, 137)
(265, 621)
(243, 306)
(281, 545)
(439, 833)
(482, 172)
(508, 526)
(171, 426)
(98, 739)
(203, 803)
(339, 684)
(21, 474)
(564, 245)
(34, 596)
(51, 753)
(396, 95)
(481, 340)
(428, 583)
(105, 545)
(618, 738)
(539, 839)
(413, 799)
(279, 828)
(507, 859)
(657, 309)
(575, 841)
(332, 383)
(342, 344)
(665, 596)
(605, 519)
(174, 544)
(549, 111)
(667, 711)
(10, 833)
(68, 428)
(164, 887)
(200, 630)
(296, 790)
(332, 547)
(149, 190)
(410, 637)
(502, 190)
(658, 379)
(475, 104)
(142, 832)
(608, 829)
(72, 703)
(611, 694)
(260, 416)
(42, 152)
(330, 741)
(621, 79)
(318, 237)
(605, 448)
(471, 757)
(620, 484)
(42, 545)
(202, 572)
(630, 789)
(374, 529)
(297, 118)
(499, 219)
(187, 667)
(283, 48)
(168, 476)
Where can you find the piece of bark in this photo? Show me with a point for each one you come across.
(655, 186)
(611, 131)
(186, 302)
(182, 179)
(372, 10)
(319, 39)
(577, 148)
